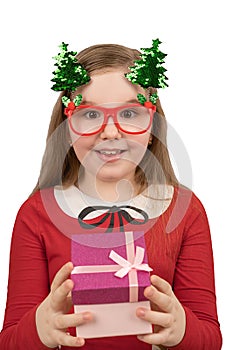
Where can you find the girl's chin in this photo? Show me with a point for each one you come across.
(110, 173)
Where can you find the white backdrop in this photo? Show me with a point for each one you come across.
(196, 36)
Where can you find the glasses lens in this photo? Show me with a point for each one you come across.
(87, 120)
(133, 118)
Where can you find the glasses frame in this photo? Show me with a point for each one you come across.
(111, 112)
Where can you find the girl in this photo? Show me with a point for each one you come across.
(107, 148)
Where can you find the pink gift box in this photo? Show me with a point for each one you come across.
(110, 275)
(111, 320)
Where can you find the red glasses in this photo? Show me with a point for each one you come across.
(131, 118)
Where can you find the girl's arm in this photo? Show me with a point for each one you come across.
(36, 317)
(192, 294)
(194, 283)
(28, 282)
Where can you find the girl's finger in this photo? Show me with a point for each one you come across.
(155, 338)
(161, 285)
(60, 295)
(61, 275)
(68, 340)
(72, 320)
(161, 300)
(156, 318)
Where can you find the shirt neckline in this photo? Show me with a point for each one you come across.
(72, 200)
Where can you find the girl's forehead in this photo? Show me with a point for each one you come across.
(111, 86)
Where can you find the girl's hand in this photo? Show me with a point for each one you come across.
(168, 315)
(52, 319)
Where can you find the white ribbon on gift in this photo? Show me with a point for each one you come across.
(127, 266)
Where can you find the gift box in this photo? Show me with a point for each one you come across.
(110, 275)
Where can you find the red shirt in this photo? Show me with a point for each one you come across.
(178, 247)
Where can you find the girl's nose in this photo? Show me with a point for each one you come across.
(110, 130)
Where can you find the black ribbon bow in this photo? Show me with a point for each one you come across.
(121, 213)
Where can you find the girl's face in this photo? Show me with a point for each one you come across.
(110, 155)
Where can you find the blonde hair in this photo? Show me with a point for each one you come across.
(60, 165)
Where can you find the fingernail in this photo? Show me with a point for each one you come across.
(86, 316)
(70, 265)
(141, 312)
(80, 341)
(70, 284)
(153, 278)
(149, 292)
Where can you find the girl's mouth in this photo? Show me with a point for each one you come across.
(109, 155)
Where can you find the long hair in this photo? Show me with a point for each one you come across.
(60, 165)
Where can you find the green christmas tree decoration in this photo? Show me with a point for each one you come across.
(77, 100)
(69, 73)
(153, 98)
(141, 98)
(149, 70)
(65, 101)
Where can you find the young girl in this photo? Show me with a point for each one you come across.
(106, 168)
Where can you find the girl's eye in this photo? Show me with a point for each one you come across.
(127, 113)
(92, 114)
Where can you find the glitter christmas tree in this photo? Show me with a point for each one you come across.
(69, 73)
(149, 70)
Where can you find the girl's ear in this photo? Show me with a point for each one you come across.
(150, 140)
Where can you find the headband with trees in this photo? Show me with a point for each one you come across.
(148, 71)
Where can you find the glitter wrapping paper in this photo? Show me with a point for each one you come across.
(105, 287)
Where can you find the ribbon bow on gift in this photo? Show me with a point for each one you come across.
(126, 265)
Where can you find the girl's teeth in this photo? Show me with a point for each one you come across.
(109, 152)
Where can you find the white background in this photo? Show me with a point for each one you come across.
(196, 36)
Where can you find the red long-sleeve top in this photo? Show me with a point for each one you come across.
(178, 247)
